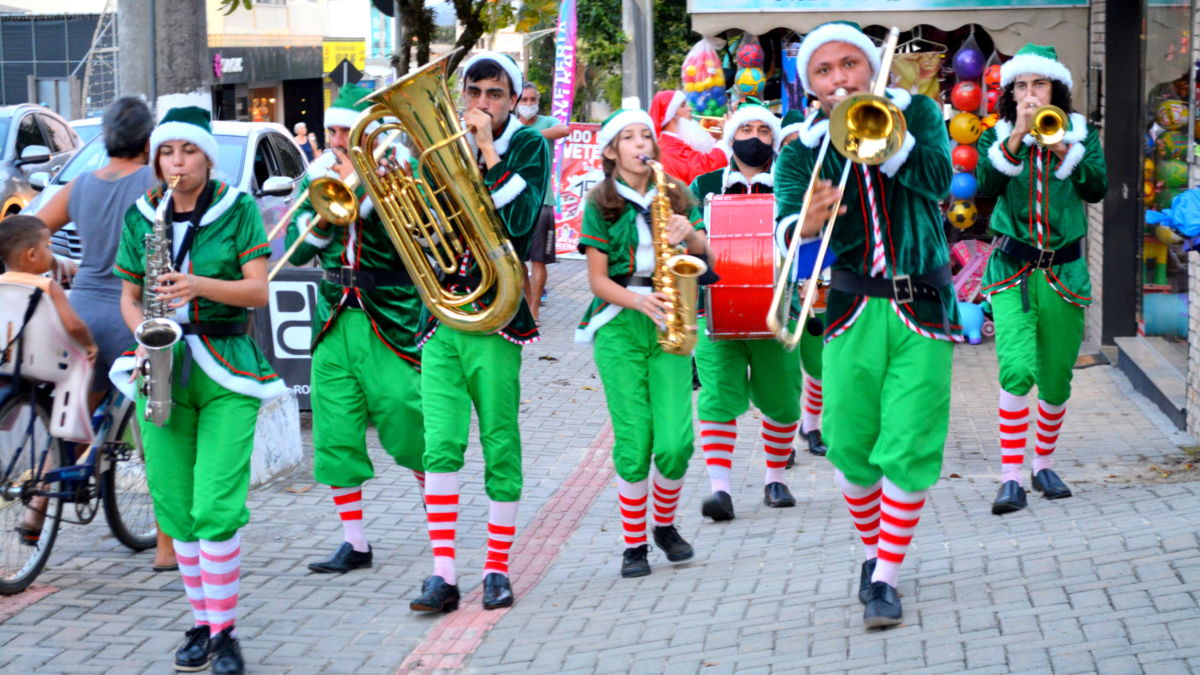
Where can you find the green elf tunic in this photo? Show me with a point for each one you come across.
(1040, 202)
(887, 364)
(464, 369)
(648, 391)
(198, 464)
(365, 361)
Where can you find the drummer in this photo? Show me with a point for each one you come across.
(735, 373)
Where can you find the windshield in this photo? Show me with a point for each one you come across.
(92, 156)
(87, 131)
(4, 129)
(230, 152)
(89, 158)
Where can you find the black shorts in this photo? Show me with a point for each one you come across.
(541, 244)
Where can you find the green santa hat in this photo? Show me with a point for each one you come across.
(619, 120)
(1035, 60)
(191, 124)
(506, 64)
(835, 31)
(792, 122)
(344, 111)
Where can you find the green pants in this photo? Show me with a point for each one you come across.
(356, 381)
(887, 400)
(734, 373)
(812, 347)
(198, 465)
(649, 396)
(460, 369)
(1039, 346)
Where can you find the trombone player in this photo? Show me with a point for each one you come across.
(365, 362)
(891, 312)
(1042, 161)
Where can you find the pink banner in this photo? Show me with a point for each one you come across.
(581, 169)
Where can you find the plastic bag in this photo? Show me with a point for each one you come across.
(751, 79)
(1183, 217)
(703, 80)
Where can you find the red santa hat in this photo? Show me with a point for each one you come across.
(664, 106)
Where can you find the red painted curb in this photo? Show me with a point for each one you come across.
(11, 604)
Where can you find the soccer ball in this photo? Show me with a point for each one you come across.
(961, 213)
(750, 81)
(1171, 114)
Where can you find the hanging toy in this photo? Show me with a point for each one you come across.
(750, 77)
(965, 158)
(965, 128)
(966, 96)
(962, 186)
(962, 214)
(993, 97)
(703, 80)
(968, 63)
(991, 76)
(1171, 114)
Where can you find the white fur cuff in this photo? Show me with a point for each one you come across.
(1072, 160)
(893, 163)
(509, 191)
(1000, 162)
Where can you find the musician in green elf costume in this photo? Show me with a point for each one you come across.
(891, 319)
(462, 370)
(365, 361)
(1037, 278)
(198, 462)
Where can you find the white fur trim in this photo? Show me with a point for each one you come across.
(215, 210)
(509, 66)
(790, 129)
(893, 163)
(501, 144)
(1031, 64)
(781, 228)
(509, 191)
(900, 97)
(1078, 130)
(234, 383)
(182, 131)
(1000, 162)
(673, 107)
(752, 113)
(834, 32)
(340, 117)
(632, 195)
(322, 166)
(731, 177)
(812, 130)
(1074, 156)
(622, 119)
(312, 238)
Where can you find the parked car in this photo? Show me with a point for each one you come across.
(87, 128)
(260, 158)
(36, 139)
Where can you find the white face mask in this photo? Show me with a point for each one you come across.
(527, 111)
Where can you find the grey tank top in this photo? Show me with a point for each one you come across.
(98, 209)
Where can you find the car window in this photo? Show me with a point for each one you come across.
(263, 162)
(89, 158)
(291, 164)
(230, 152)
(58, 134)
(4, 131)
(28, 133)
(87, 132)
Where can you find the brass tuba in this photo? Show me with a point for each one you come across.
(676, 274)
(433, 218)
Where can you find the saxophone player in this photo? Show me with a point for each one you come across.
(648, 390)
(198, 462)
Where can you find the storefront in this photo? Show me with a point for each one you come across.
(268, 84)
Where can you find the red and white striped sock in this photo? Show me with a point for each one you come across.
(420, 476)
(502, 530)
(187, 554)
(666, 498)
(717, 440)
(632, 504)
(777, 440)
(441, 510)
(1014, 427)
(814, 403)
(221, 571)
(864, 511)
(900, 512)
(1049, 423)
(348, 502)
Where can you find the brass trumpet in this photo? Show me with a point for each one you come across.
(1049, 125)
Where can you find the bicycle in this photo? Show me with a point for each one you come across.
(40, 473)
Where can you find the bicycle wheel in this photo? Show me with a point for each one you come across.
(127, 504)
(24, 441)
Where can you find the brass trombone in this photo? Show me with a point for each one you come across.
(1049, 125)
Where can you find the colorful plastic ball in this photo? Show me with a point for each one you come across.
(962, 186)
(966, 95)
(1171, 144)
(991, 76)
(1171, 114)
(1148, 145)
(689, 86)
(968, 63)
(1148, 192)
(1163, 199)
(750, 56)
(993, 97)
(1167, 236)
(1172, 173)
(965, 158)
(965, 128)
(1148, 169)
(961, 214)
(690, 70)
(750, 81)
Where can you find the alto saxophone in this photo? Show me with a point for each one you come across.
(676, 274)
(157, 334)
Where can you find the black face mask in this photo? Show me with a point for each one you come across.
(753, 152)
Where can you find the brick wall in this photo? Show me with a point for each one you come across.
(1095, 238)
(1193, 368)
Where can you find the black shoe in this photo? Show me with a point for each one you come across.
(497, 592)
(777, 496)
(226, 654)
(791, 459)
(1050, 485)
(192, 655)
(816, 446)
(344, 559)
(1011, 497)
(864, 580)
(675, 546)
(436, 596)
(634, 563)
(719, 506)
(883, 606)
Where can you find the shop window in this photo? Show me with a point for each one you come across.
(263, 106)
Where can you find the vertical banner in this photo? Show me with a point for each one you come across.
(581, 169)
(561, 103)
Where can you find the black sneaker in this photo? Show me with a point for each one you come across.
(675, 546)
(634, 563)
(192, 655)
(719, 506)
(864, 580)
(226, 654)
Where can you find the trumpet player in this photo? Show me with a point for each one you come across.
(892, 317)
(198, 462)
(365, 362)
(1043, 165)
(461, 370)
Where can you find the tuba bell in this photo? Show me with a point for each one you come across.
(436, 215)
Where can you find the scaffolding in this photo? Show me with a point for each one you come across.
(101, 77)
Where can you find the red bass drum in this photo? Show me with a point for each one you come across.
(741, 250)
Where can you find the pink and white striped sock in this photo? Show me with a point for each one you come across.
(1049, 423)
(348, 502)
(420, 476)
(777, 440)
(666, 499)
(864, 511)
(716, 441)
(221, 571)
(187, 554)
(632, 504)
(900, 513)
(1014, 427)
(441, 510)
(502, 530)
(814, 403)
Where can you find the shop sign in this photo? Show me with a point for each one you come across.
(223, 64)
(333, 51)
(725, 6)
(581, 170)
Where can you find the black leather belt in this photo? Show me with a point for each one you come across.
(215, 328)
(1040, 258)
(903, 289)
(628, 280)
(367, 279)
